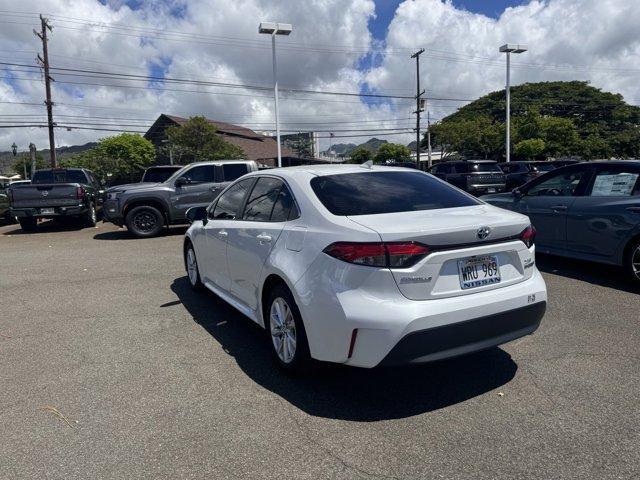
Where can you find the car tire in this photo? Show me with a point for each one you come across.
(287, 335)
(191, 265)
(144, 221)
(632, 261)
(9, 219)
(28, 224)
(90, 219)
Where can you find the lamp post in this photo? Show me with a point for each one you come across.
(510, 48)
(274, 29)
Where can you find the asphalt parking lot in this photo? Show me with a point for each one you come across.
(113, 368)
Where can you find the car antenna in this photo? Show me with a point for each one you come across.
(368, 164)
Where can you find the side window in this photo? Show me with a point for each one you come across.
(285, 207)
(201, 174)
(233, 171)
(262, 199)
(230, 202)
(461, 168)
(562, 184)
(615, 182)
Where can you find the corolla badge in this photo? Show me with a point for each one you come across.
(483, 232)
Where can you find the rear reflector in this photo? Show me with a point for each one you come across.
(528, 235)
(390, 254)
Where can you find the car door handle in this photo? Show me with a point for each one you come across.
(633, 209)
(222, 233)
(264, 238)
(559, 208)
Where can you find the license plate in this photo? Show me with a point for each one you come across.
(47, 211)
(478, 271)
(491, 190)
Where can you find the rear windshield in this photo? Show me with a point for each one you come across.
(59, 176)
(158, 175)
(371, 193)
(233, 171)
(477, 167)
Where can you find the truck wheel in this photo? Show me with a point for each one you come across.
(8, 218)
(28, 224)
(144, 221)
(90, 219)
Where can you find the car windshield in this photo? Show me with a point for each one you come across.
(371, 193)
(59, 176)
(542, 167)
(175, 175)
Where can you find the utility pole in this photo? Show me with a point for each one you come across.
(47, 82)
(418, 104)
(429, 137)
(32, 151)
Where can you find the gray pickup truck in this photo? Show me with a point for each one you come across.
(145, 208)
(56, 193)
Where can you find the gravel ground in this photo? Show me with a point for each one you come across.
(113, 368)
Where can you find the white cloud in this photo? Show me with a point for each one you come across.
(218, 41)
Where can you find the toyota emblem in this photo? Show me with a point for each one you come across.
(483, 232)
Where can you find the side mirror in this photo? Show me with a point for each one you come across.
(181, 181)
(516, 192)
(197, 213)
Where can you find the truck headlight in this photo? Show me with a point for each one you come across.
(113, 195)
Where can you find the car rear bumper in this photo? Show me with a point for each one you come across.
(391, 329)
(65, 211)
(486, 188)
(465, 337)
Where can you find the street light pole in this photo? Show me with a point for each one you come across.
(509, 49)
(274, 29)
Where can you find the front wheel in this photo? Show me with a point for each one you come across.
(28, 224)
(286, 331)
(144, 221)
(632, 261)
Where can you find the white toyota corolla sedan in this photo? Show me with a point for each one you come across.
(367, 265)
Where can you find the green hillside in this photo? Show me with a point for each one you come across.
(548, 119)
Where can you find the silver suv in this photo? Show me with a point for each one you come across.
(145, 208)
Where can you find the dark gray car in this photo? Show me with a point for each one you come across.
(588, 211)
(145, 208)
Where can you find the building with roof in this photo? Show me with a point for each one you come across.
(261, 148)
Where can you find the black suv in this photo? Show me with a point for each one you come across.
(519, 173)
(478, 177)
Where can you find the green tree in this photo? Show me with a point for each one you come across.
(529, 148)
(117, 158)
(473, 137)
(392, 152)
(197, 140)
(360, 155)
(25, 160)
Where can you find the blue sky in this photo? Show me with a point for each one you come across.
(386, 8)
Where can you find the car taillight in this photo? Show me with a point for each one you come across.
(389, 254)
(79, 192)
(528, 235)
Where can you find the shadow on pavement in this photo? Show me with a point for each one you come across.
(346, 393)
(595, 273)
(123, 233)
(49, 226)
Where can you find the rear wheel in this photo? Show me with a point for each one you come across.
(286, 331)
(191, 265)
(90, 219)
(632, 261)
(28, 224)
(144, 221)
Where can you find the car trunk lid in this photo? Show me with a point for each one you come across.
(453, 235)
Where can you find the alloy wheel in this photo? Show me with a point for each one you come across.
(145, 221)
(635, 262)
(192, 267)
(283, 330)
